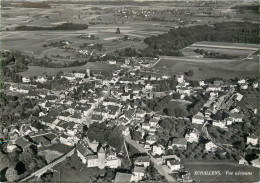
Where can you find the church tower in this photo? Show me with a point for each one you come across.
(101, 158)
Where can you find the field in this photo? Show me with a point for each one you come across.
(104, 19)
(93, 66)
(207, 67)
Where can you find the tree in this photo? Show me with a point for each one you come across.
(47, 177)
(11, 174)
(166, 124)
(135, 135)
(190, 73)
(117, 30)
(176, 96)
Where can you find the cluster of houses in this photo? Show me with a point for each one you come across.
(62, 114)
(243, 84)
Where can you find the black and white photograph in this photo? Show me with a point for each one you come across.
(127, 91)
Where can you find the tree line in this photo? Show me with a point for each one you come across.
(170, 43)
(64, 26)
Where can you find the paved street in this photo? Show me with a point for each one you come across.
(156, 165)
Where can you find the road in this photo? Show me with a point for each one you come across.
(156, 165)
(219, 145)
(225, 47)
(173, 117)
(189, 59)
(39, 172)
(156, 62)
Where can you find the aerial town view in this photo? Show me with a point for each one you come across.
(129, 91)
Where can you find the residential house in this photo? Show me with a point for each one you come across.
(210, 146)
(67, 140)
(198, 119)
(202, 83)
(153, 122)
(97, 118)
(252, 139)
(213, 87)
(241, 81)
(180, 78)
(236, 117)
(255, 85)
(125, 96)
(146, 126)
(151, 139)
(10, 148)
(41, 79)
(180, 143)
(174, 164)
(242, 161)
(244, 86)
(20, 89)
(142, 161)
(112, 62)
(220, 124)
(165, 77)
(140, 113)
(79, 75)
(158, 150)
(138, 174)
(166, 158)
(69, 76)
(184, 90)
(26, 80)
(192, 136)
(208, 113)
(256, 162)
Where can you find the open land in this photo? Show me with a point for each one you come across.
(206, 67)
(151, 19)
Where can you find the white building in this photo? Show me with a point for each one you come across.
(138, 173)
(79, 75)
(241, 81)
(221, 124)
(41, 79)
(210, 146)
(180, 78)
(244, 86)
(26, 80)
(174, 164)
(198, 119)
(252, 140)
(142, 161)
(255, 85)
(158, 150)
(256, 162)
(192, 136)
(112, 62)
